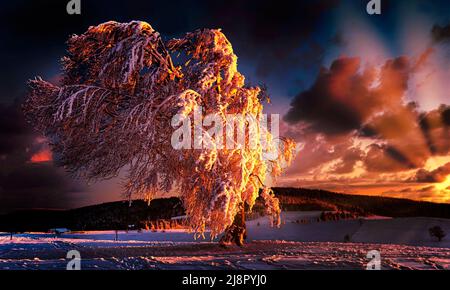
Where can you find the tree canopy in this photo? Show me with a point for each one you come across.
(121, 86)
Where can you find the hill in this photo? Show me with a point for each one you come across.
(311, 199)
(106, 216)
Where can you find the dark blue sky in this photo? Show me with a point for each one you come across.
(280, 43)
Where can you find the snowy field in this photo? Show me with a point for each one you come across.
(404, 243)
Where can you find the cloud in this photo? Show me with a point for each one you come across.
(383, 158)
(37, 185)
(28, 178)
(351, 103)
(422, 193)
(13, 129)
(271, 34)
(440, 33)
(368, 102)
(318, 150)
(435, 127)
(33, 176)
(435, 176)
(344, 97)
(42, 156)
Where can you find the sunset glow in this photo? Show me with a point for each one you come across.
(42, 156)
(444, 186)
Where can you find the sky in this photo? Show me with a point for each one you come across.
(366, 97)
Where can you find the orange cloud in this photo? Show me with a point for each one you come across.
(44, 155)
(349, 103)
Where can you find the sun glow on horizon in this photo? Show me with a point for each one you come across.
(444, 185)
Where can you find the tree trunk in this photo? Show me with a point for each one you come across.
(237, 232)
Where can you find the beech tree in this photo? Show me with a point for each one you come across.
(437, 232)
(121, 86)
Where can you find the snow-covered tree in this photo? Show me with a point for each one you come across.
(122, 84)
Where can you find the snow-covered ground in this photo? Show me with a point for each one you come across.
(404, 231)
(403, 244)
